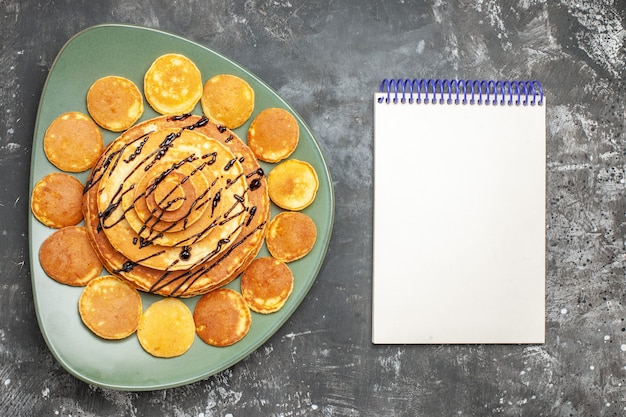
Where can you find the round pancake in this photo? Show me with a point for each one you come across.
(170, 203)
(56, 200)
(266, 285)
(290, 236)
(166, 328)
(292, 184)
(165, 152)
(217, 196)
(222, 317)
(227, 100)
(115, 103)
(73, 142)
(68, 257)
(110, 307)
(207, 275)
(173, 84)
(273, 135)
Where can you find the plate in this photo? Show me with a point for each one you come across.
(128, 51)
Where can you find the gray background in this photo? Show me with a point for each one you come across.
(327, 58)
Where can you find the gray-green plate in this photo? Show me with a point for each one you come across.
(128, 51)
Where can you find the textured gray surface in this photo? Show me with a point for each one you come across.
(327, 58)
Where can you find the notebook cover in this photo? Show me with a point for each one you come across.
(459, 223)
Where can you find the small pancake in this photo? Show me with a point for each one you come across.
(73, 142)
(173, 84)
(166, 328)
(57, 200)
(290, 236)
(222, 317)
(110, 307)
(266, 285)
(292, 184)
(273, 135)
(115, 103)
(227, 100)
(67, 257)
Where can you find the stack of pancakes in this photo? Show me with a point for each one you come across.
(177, 205)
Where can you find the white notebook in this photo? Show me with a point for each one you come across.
(459, 212)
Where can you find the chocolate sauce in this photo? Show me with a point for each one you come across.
(212, 155)
(203, 121)
(255, 184)
(113, 205)
(145, 242)
(188, 278)
(230, 182)
(216, 200)
(227, 215)
(126, 267)
(251, 216)
(230, 164)
(179, 117)
(138, 150)
(258, 172)
(98, 171)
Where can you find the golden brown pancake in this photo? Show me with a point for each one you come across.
(173, 84)
(228, 256)
(222, 317)
(56, 200)
(227, 100)
(220, 200)
(73, 142)
(110, 307)
(172, 203)
(166, 328)
(292, 184)
(290, 236)
(68, 257)
(266, 285)
(115, 103)
(273, 135)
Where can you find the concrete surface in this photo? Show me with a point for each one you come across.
(327, 59)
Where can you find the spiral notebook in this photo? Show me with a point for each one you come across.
(459, 212)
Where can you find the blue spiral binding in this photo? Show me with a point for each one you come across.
(445, 91)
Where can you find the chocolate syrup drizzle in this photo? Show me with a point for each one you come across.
(187, 278)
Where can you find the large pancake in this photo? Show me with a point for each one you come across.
(166, 152)
(222, 251)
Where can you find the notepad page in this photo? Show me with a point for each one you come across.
(459, 223)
